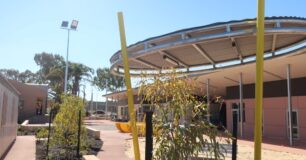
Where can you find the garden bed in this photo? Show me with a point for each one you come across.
(94, 146)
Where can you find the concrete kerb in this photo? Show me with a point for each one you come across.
(90, 157)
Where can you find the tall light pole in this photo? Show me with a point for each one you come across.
(73, 26)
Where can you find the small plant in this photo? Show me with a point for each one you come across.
(180, 119)
(64, 138)
(41, 134)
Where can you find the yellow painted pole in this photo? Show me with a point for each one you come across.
(128, 86)
(260, 29)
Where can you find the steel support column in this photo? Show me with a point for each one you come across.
(289, 102)
(208, 100)
(241, 104)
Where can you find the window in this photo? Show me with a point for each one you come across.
(294, 121)
(4, 109)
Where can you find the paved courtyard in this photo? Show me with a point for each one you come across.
(114, 142)
(118, 146)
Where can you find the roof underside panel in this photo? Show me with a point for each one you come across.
(188, 55)
(220, 50)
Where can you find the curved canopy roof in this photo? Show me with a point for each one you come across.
(210, 47)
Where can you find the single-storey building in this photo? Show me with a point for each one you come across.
(109, 106)
(33, 99)
(9, 98)
(222, 57)
(121, 105)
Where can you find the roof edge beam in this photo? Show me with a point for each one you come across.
(204, 53)
(162, 52)
(147, 63)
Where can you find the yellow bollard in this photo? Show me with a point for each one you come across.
(128, 86)
(260, 26)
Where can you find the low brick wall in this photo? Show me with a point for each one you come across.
(93, 132)
(33, 127)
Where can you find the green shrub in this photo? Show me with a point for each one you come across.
(180, 119)
(64, 138)
(41, 134)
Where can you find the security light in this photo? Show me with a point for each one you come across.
(65, 24)
(74, 24)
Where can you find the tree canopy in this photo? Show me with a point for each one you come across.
(105, 80)
(52, 72)
(25, 77)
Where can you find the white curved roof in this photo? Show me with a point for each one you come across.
(211, 47)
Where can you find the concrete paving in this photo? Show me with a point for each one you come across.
(273, 147)
(113, 145)
(114, 142)
(22, 149)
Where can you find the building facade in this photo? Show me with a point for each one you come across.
(9, 98)
(275, 124)
(92, 106)
(33, 99)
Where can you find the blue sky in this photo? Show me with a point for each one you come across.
(33, 26)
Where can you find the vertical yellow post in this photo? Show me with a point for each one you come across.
(260, 29)
(128, 86)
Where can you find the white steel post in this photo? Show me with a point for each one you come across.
(241, 104)
(289, 102)
(208, 100)
(66, 69)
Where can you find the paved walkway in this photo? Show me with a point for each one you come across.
(23, 149)
(273, 147)
(113, 145)
(114, 142)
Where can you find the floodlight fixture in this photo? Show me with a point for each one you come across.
(64, 24)
(74, 24)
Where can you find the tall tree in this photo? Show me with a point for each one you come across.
(105, 80)
(77, 73)
(47, 62)
(12, 74)
(25, 77)
(28, 77)
(52, 72)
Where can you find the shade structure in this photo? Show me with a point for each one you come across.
(211, 47)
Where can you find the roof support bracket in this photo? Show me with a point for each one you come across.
(273, 74)
(204, 53)
(162, 52)
(147, 63)
(237, 49)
